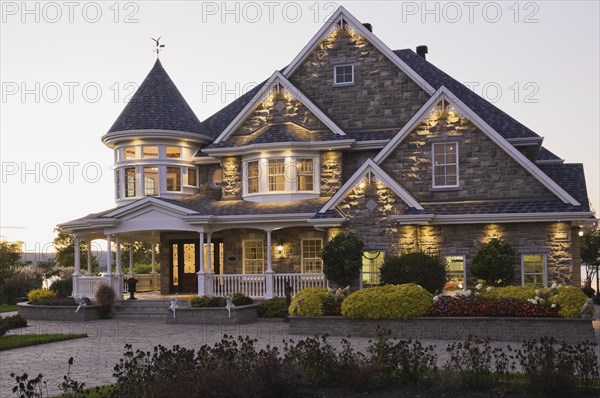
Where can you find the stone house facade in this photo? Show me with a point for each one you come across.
(351, 136)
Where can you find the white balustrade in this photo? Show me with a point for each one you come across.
(87, 285)
(298, 282)
(250, 285)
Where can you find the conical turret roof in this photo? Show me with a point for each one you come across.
(157, 105)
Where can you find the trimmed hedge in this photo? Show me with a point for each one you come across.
(274, 308)
(569, 300)
(309, 302)
(387, 302)
(521, 293)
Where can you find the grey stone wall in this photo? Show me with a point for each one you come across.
(231, 186)
(214, 316)
(353, 160)
(57, 313)
(331, 172)
(381, 96)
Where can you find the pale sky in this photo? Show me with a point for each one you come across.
(67, 68)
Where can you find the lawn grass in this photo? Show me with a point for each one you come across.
(8, 307)
(25, 340)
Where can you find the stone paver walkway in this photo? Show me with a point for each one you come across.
(96, 355)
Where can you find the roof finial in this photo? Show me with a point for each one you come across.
(158, 47)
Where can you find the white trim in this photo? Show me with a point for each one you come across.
(335, 83)
(444, 93)
(464, 264)
(280, 146)
(277, 78)
(502, 218)
(360, 29)
(111, 139)
(147, 201)
(302, 258)
(457, 162)
(262, 245)
(545, 264)
(371, 166)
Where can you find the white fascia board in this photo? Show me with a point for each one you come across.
(87, 224)
(275, 78)
(110, 139)
(444, 93)
(498, 218)
(148, 201)
(245, 150)
(374, 40)
(372, 144)
(371, 166)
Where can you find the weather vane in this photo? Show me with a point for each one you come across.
(158, 47)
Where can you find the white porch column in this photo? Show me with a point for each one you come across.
(77, 271)
(89, 257)
(131, 259)
(108, 255)
(201, 275)
(118, 272)
(269, 273)
(209, 272)
(153, 259)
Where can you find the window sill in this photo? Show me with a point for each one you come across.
(445, 189)
(343, 84)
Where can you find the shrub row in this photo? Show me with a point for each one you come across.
(238, 300)
(474, 306)
(11, 322)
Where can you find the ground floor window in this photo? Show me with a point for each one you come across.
(533, 270)
(212, 257)
(253, 257)
(175, 251)
(371, 264)
(456, 273)
(151, 181)
(311, 256)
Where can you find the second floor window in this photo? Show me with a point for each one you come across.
(343, 74)
(192, 176)
(173, 152)
(173, 179)
(445, 165)
(130, 179)
(150, 181)
(305, 174)
(276, 175)
(150, 152)
(252, 177)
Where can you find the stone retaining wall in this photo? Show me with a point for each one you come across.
(239, 315)
(57, 313)
(497, 329)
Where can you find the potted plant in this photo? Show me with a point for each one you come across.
(132, 286)
(105, 299)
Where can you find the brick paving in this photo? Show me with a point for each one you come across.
(96, 355)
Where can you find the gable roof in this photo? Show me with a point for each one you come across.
(370, 167)
(342, 14)
(157, 105)
(260, 95)
(445, 94)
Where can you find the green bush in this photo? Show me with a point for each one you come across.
(105, 296)
(240, 299)
(19, 283)
(206, 301)
(494, 263)
(521, 293)
(308, 302)
(423, 269)
(62, 287)
(11, 322)
(342, 259)
(569, 300)
(40, 294)
(139, 268)
(387, 302)
(275, 308)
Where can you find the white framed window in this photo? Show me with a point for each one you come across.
(192, 176)
(149, 151)
(252, 176)
(129, 152)
(445, 164)
(151, 181)
(372, 260)
(343, 74)
(456, 273)
(173, 179)
(534, 270)
(253, 255)
(130, 182)
(173, 152)
(312, 263)
(276, 175)
(305, 175)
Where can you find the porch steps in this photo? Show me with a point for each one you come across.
(145, 309)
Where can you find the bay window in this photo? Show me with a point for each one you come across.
(173, 179)
(151, 181)
(305, 174)
(276, 175)
(130, 179)
(252, 178)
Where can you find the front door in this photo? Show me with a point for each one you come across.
(184, 265)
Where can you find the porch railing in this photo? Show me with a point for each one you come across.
(298, 282)
(250, 285)
(86, 286)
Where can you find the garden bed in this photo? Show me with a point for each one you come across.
(450, 328)
(216, 315)
(57, 312)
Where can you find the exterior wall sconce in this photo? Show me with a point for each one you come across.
(280, 248)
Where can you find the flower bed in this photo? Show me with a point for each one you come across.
(504, 307)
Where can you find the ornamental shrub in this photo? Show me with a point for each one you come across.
(240, 299)
(502, 307)
(40, 294)
(569, 300)
(208, 302)
(275, 308)
(105, 297)
(494, 263)
(62, 287)
(521, 293)
(308, 302)
(11, 322)
(342, 259)
(421, 268)
(387, 302)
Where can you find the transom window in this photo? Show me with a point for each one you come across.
(173, 152)
(130, 179)
(312, 263)
(343, 74)
(276, 175)
(253, 257)
(192, 176)
(252, 177)
(455, 273)
(445, 164)
(173, 179)
(150, 181)
(533, 270)
(129, 152)
(150, 152)
(305, 174)
(372, 261)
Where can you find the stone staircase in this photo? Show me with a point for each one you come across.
(145, 309)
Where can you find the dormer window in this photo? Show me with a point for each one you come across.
(343, 75)
(173, 152)
(445, 165)
(150, 152)
(276, 175)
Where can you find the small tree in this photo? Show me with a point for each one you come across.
(494, 263)
(424, 269)
(65, 251)
(590, 255)
(342, 258)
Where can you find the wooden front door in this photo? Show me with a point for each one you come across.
(185, 263)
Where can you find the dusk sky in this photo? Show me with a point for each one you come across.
(68, 68)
